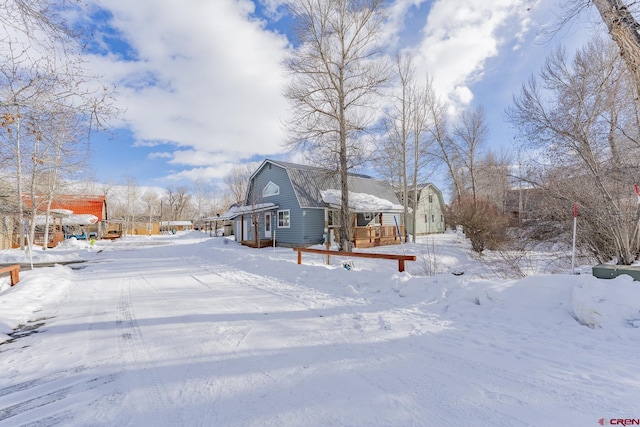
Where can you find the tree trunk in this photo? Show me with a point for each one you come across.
(345, 220)
(625, 31)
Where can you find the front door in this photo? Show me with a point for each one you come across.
(267, 225)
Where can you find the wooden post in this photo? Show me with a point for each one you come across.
(327, 243)
(15, 276)
(400, 265)
(300, 257)
(14, 271)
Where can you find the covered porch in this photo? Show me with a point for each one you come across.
(368, 229)
(249, 230)
(374, 221)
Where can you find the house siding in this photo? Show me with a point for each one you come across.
(313, 226)
(286, 200)
(426, 210)
(388, 218)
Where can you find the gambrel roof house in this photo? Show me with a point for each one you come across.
(294, 204)
(429, 211)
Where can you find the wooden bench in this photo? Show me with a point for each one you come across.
(14, 270)
(400, 258)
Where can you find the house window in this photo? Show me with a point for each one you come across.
(430, 198)
(334, 218)
(270, 189)
(283, 219)
(367, 216)
(426, 218)
(441, 218)
(433, 218)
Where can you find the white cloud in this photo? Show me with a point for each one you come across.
(205, 77)
(200, 158)
(460, 36)
(160, 155)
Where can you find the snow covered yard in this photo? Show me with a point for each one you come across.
(198, 331)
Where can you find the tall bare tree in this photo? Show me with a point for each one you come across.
(394, 153)
(402, 153)
(132, 203)
(336, 75)
(439, 133)
(151, 200)
(469, 137)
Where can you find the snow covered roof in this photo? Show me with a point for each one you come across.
(183, 223)
(68, 219)
(361, 202)
(235, 211)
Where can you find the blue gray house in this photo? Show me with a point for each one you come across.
(298, 205)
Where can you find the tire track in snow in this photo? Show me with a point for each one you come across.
(138, 363)
(48, 391)
(226, 339)
(199, 364)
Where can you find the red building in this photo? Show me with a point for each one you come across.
(80, 216)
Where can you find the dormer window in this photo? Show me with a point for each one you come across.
(270, 189)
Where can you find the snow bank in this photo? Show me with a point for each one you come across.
(21, 303)
(607, 304)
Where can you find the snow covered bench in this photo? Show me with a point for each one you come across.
(400, 258)
(14, 270)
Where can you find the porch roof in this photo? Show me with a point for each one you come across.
(236, 211)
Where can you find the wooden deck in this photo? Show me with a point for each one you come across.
(261, 244)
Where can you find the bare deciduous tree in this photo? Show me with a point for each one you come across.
(237, 181)
(393, 154)
(469, 137)
(402, 153)
(46, 100)
(132, 203)
(493, 178)
(178, 201)
(584, 121)
(440, 135)
(336, 74)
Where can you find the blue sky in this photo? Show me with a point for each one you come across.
(200, 82)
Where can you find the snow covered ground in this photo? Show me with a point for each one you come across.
(189, 330)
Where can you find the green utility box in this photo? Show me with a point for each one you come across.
(610, 271)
